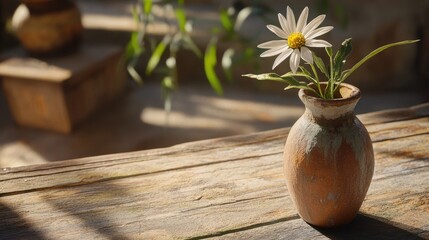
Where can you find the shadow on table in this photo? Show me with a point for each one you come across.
(369, 227)
(13, 226)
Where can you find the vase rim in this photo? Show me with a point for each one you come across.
(331, 108)
(353, 93)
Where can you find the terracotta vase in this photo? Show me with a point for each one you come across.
(46, 27)
(328, 159)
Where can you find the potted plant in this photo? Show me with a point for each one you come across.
(328, 155)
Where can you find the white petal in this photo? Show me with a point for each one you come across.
(313, 24)
(272, 44)
(318, 32)
(290, 18)
(317, 43)
(302, 21)
(294, 60)
(284, 24)
(279, 32)
(280, 58)
(274, 51)
(306, 55)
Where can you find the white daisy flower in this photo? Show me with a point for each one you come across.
(296, 38)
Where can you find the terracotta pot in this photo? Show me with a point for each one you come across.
(47, 26)
(329, 159)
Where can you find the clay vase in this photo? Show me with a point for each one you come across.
(47, 27)
(328, 159)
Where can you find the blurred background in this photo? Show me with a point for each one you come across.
(89, 77)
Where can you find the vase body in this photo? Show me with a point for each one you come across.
(329, 159)
(46, 27)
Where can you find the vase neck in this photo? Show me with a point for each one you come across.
(338, 108)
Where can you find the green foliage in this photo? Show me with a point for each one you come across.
(320, 65)
(210, 60)
(372, 54)
(288, 78)
(147, 6)
(335, 74)
(179, 38)
(168, 47)
(157, 54)
(230, 31)
(226, 21)
(340, 57)
(181, 19)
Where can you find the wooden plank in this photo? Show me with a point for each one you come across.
(363, 227)
(216, 200)
(395, 114)
(84, 171)
(228, 188)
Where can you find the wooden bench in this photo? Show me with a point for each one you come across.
(228, 188)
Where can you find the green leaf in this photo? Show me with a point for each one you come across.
(176, 42)
(157, 54)
(181, 19)
(329, 51)
(147, 6)
(320, 65)
(135, 14)
(188, 43)
(134, 74)
(372, 54)
(305, 87)
(265, 76)
(304, 70)
(287, 78)
(210, 60)
(227, 62)
(299, 74)
(133, 47)
(340, 57)
(226, 21)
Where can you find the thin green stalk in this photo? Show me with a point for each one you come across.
(328, 94)
(331, 79)
(373, 53)
(318, 82)
(348, 72)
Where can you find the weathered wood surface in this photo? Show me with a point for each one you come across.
(229, 188)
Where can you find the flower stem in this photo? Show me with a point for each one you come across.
(330, 87)
(317, 82)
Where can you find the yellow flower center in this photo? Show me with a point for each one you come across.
(296, 40)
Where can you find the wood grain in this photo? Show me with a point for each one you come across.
(229, 188)
(59, 92)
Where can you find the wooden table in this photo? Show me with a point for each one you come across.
(229, 188)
